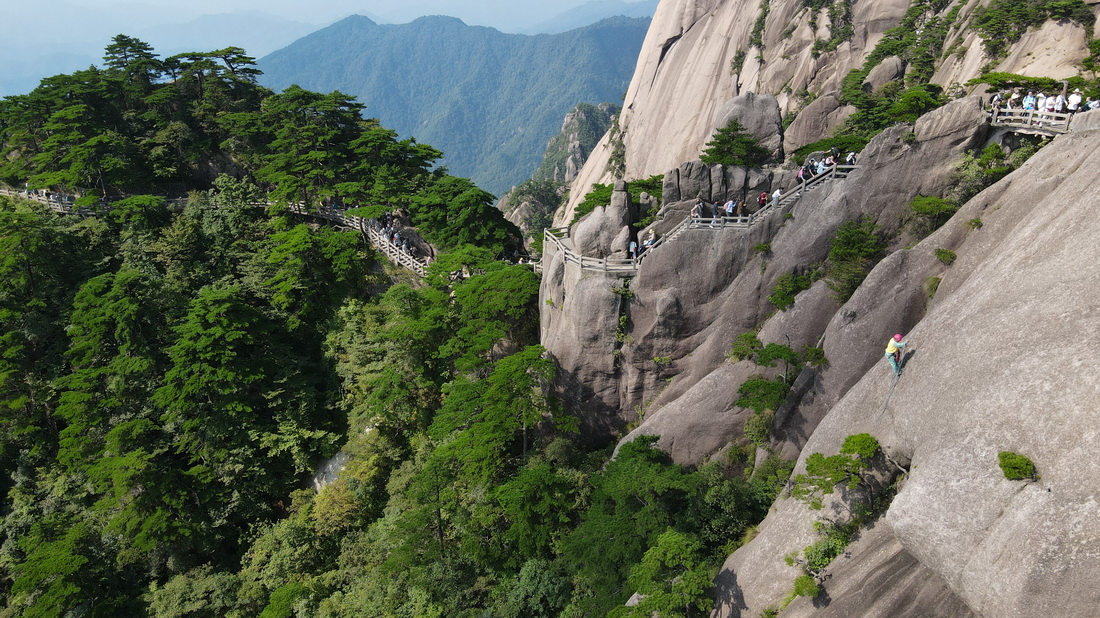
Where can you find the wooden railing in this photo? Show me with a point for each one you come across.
(63, 205)
(556, 236)
(1031, 120)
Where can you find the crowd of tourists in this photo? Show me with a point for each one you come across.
(1041, 103)
(386, 226)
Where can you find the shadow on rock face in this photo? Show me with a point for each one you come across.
(905, 359)
(729, 594)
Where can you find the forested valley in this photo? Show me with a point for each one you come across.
(171, 376)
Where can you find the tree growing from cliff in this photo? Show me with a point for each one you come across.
(856, 248)
(673, 578)
(823, 473)
(732, 145)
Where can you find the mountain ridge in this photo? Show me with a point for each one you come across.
(494, 103)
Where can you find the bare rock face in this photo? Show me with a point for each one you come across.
(814, 121)
(943, 136)
(685, 74)
(602, 232)
(880, 579)
(995, 369)
(760, 116)
(587, 343)
(684, 77)
(714, 183)
(890, 69)
(693, 295)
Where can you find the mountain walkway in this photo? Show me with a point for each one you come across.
(336, 216)
(559, 236)
(1030, 122)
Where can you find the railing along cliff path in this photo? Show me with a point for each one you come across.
(1032, 122)
(334, 215)
(629, 267)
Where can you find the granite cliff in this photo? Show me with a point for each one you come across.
(688, 71)
(1001, 360)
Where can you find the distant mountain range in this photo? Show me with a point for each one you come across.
(592, 12)
(489, 100)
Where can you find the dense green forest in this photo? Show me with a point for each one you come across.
(493, 104)
(171, 377)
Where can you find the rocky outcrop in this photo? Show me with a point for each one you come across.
(890, 69)
(810, 123)
(531, 206)
(569, 149)
(716, 183)
(694, 295)
(1001, 350)
(997, 366)
(685, 74)
(606, 231)
(761, 117)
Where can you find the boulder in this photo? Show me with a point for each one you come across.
(601, 232)
(816, 121)
(714, 183)
(890, 69)
(761, 117)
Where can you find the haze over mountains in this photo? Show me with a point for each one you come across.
(592, 12)
(50, 37)
(488, 100)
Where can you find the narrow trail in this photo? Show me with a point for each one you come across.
(559, 237)
(333, 215)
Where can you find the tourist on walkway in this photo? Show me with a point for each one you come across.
(1073, 103)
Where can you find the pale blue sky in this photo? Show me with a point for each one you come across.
(47, 37)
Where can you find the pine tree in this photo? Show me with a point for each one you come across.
(731, 145)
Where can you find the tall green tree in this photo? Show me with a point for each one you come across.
(245, 423)
(451, 212)
(310, 272)
(673, 578)
(732, 145)
(309, 152)
(634, 499)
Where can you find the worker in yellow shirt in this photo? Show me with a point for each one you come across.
(893, 352)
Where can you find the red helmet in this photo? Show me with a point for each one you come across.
(897, 337)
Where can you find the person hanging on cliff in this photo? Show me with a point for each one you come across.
(893, 352)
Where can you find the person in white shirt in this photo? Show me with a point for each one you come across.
(1073, 103)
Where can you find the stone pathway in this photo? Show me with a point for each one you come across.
(559, 237)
